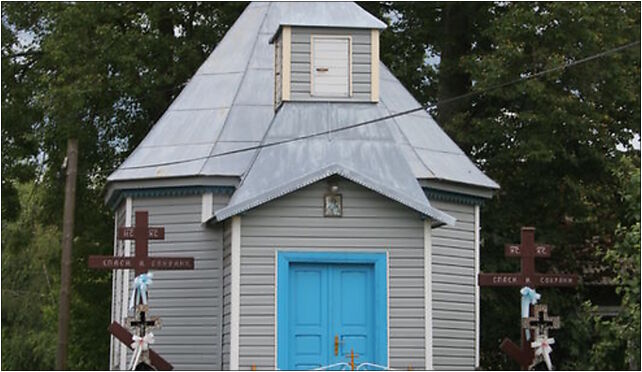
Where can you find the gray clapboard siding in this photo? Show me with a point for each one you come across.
(301, 58)
(296, 222)
(190, 303)
(453, 279)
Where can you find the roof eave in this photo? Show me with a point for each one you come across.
(424, 208)
(278, 30)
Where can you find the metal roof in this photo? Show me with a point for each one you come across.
(228, 105)
(367, 155)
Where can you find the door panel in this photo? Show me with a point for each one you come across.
(352, 306)
(328, 301)
(331, 66)
(308, 344)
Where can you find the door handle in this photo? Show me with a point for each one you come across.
(322, 69)
(336, 345)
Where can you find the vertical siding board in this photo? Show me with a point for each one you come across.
(117, 289)
(190, 303)
(268, 228)
(227, 244)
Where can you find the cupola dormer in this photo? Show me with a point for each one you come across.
(335, 61)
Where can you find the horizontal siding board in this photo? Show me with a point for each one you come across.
(465, 343)
(453, 270)
(182, 293)
(302, 36)
(304, 67)
(454, 306)
(454, 288)
(301, 222)
(452, 315)
(453, 261)
(452, 297)
(338, 232)
(269, 210)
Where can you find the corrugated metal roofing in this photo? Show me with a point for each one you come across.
(228, 105)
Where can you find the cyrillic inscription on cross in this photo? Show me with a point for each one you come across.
(528, 250)
(141, 262)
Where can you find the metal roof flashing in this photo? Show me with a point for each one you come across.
(278, 30)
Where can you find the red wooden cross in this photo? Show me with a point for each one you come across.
(528, 277)
(141, 262)
(528, 250)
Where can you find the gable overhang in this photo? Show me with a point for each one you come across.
(116, 191)
(422, 206)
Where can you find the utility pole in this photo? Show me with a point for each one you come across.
(71, 162)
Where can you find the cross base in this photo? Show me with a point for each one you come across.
(523, 355)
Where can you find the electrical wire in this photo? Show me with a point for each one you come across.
(397, 114)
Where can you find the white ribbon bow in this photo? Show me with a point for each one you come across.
(139, 345)
(543, 349)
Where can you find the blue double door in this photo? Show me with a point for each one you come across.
(331, 310)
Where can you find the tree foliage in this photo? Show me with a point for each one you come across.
(559, 146)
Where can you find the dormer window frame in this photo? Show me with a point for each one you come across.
(293, 64)
(313, 67)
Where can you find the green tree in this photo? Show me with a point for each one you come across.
(104, 73)
(553, 144)
(29, 287)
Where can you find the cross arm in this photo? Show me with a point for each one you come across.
(523, 356)
(127, 338)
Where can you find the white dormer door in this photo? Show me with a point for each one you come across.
(331, 67)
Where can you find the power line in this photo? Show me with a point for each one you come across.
(398, 114)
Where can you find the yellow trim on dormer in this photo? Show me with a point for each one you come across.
(374, 65)
(286, 36)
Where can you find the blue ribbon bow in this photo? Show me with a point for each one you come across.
(529, 297)
(140, 289)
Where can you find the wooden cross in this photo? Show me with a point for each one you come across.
(141, 262)
(528, 250)
(528, 277)
(540, 321)
(141, 233)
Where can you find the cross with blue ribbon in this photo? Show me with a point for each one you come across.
(529, 279)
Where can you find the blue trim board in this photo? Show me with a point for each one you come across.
(454, 197)
(379, 261)
(150, 192)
